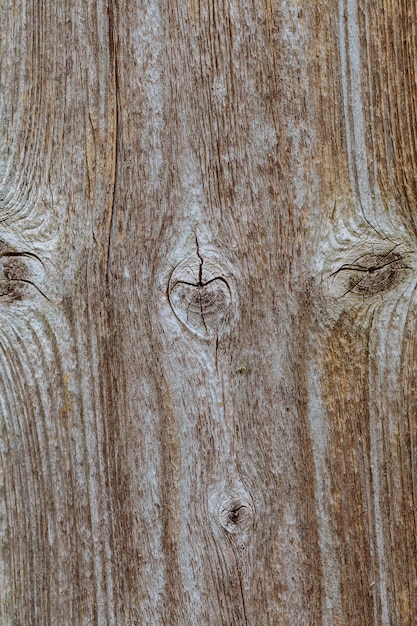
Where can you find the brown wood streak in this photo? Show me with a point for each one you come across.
(347, 402)
(392, 42)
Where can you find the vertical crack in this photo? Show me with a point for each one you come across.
(200, 282)
(114, 60)
(200, 271)
(242, 594)
(202, 312)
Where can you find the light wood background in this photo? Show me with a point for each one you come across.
(208, 268)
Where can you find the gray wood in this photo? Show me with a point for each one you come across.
(208, 313)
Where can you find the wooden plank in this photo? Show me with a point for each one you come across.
(207, 256)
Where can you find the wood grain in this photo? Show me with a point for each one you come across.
(207, 313)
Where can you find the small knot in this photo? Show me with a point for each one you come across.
(236, 517)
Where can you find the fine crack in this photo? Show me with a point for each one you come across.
(200, 271)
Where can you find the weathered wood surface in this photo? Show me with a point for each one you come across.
(208, 313)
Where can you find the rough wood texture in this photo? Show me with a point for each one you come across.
(208, 270)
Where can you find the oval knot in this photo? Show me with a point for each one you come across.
(236, 516)
(200, 296)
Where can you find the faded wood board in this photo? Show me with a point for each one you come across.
(208, 265)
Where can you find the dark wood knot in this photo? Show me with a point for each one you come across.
(373, 273)
(200, 295)
(20, 271)
(236, 517)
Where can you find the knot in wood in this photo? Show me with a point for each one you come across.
(19, 272)
(200, 296)
(236, 517)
